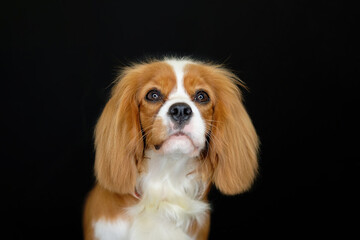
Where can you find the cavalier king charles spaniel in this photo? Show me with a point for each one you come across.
(170, 130)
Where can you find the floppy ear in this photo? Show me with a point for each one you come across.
(118, 139)
(234, 143)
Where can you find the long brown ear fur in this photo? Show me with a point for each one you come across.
(118, 138)
(234, 143)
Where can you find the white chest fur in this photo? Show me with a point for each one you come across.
(111, 230)
(170, 202)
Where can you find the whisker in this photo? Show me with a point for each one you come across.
(212, 120)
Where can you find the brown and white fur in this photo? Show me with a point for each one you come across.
(170, 130)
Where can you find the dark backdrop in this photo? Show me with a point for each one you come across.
(300, 60)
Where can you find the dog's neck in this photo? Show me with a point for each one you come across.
(170, 175)
(171, 192)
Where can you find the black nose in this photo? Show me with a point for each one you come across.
(180, 112)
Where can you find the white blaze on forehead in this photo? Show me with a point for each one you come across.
(178, 67)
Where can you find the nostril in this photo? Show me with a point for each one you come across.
(188, 111)
(174, 111)
(180, 112)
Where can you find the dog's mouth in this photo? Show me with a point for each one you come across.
(177, 134)
(178, 138)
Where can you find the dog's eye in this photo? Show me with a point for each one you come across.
(153, 95)
(201, 97)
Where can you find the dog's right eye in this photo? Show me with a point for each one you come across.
(153, 96)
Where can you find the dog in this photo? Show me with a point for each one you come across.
(171, 129)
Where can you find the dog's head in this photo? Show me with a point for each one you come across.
(177, 108)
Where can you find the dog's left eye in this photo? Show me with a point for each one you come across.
(201, 97)
(153, 95)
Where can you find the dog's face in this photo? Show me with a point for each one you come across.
(176, 110)
(176, 107)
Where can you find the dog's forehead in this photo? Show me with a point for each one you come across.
(178, 67)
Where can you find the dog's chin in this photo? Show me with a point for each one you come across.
(178, 144)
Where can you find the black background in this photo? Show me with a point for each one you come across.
(300, 60)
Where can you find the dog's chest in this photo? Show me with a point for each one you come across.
(170, 202)
(153, 218)
(111, 230)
